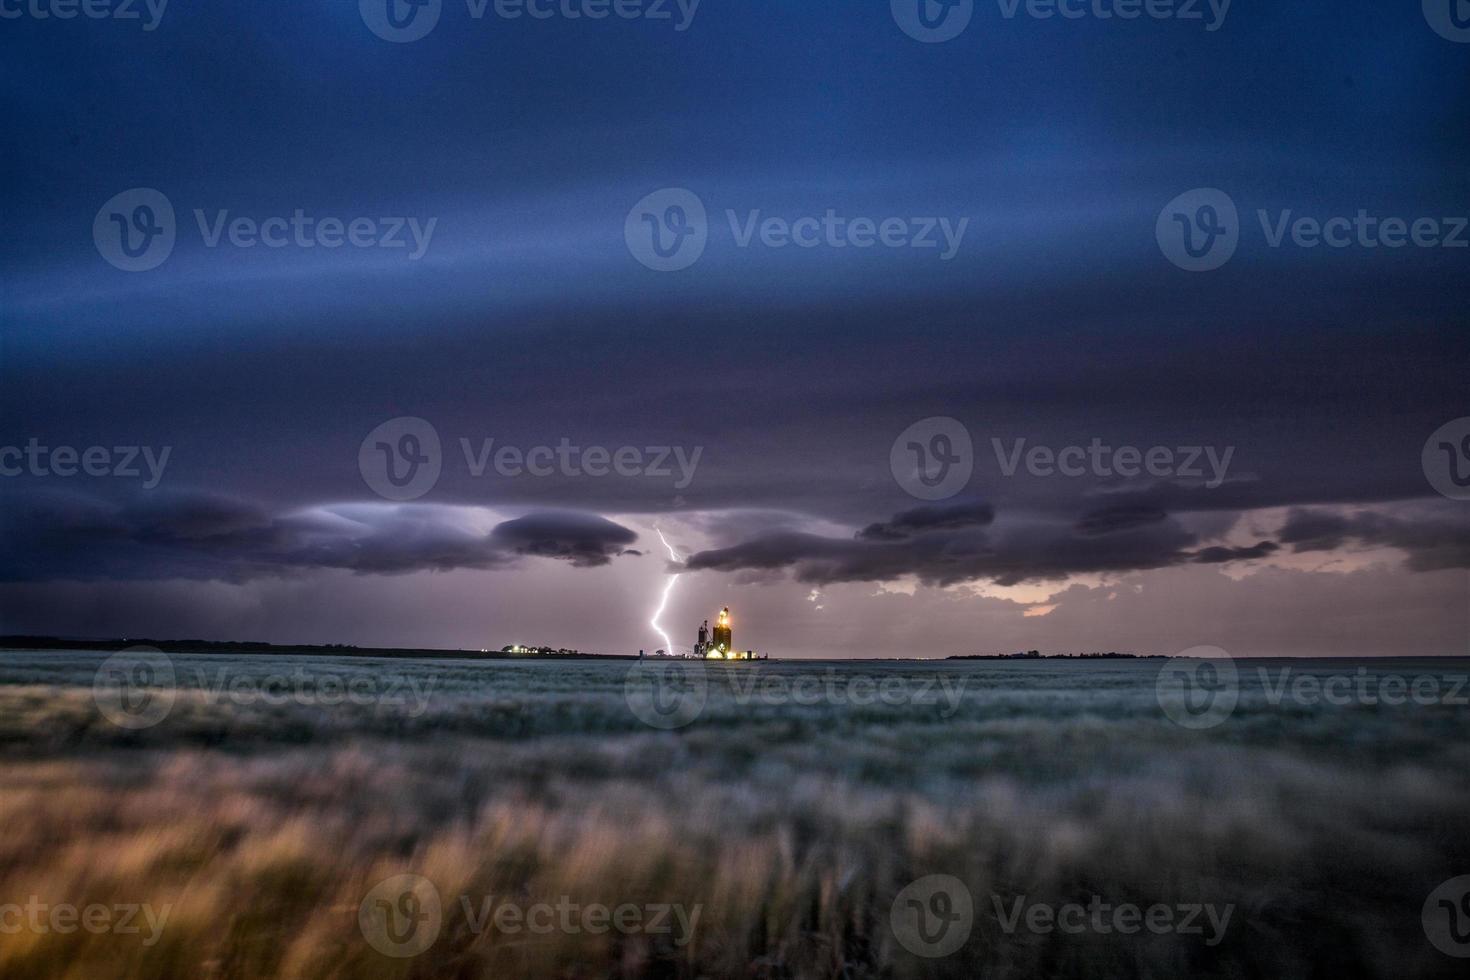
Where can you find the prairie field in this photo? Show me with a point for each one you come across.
(765, 829)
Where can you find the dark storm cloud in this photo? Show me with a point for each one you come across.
(156, 535)
(1120, 517)
(935, 517)
(949, 555)
(1219, 554)
(196, 535)
(1129, 538)
(528, 321)
(1431, 541)
(585, 540)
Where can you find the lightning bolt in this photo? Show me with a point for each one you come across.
(664, 604)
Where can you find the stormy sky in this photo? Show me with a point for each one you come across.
(975, 230)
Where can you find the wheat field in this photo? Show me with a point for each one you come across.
(781, 822)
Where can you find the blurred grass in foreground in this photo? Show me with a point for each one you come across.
(791, 826)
